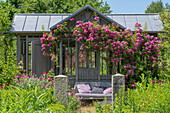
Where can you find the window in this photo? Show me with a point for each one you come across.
(89, 60)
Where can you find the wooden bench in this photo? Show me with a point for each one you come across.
(93, 96)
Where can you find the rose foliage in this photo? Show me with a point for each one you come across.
(137, 52)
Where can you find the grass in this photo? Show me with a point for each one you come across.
(85, 109)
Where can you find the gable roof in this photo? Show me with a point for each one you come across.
(32, 23)
(83, 9)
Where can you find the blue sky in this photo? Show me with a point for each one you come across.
(130, 6)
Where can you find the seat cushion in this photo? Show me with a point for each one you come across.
(108, 90)
(97, 90)
(83, 88)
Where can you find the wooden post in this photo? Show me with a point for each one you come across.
(77, 61)
(27, 54)
(114, 68)
(33, 50)
(18, 49)
(98, 64)
(61, 57)
(68, 57)
(55, 62)
(63, 60)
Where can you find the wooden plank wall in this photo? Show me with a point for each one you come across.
(103, 78)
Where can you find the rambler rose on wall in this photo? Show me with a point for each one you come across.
(137, 51)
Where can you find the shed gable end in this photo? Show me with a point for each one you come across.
(88, 13)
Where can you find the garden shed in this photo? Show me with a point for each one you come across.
(30, 27)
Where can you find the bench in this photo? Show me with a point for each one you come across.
(93, 95)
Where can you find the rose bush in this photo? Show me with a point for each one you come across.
(137, 52)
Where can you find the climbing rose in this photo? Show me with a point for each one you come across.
(69, 94)
(133, 85)
(52, 82)
(138, 25)
(152, 81)
(159, 82)
(1, 86)
(72, 19)
(49, 79)
(96, 18)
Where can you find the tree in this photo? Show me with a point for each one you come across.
(167, 6)
(16, 3)
(164, 12)
(155, 7)
(62, 6)
(6, 15)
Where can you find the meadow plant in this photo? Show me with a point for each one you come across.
(33, 94)
(149, 96)
(73, 102)
(28, 82)
(16, 99)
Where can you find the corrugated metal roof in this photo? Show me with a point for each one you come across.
(32, 23)
(151, 21)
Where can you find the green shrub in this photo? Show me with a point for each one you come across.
(8, 68)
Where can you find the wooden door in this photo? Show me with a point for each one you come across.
(39, 62)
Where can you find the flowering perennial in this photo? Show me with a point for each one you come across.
(137, 52)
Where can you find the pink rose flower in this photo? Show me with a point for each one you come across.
(69, 94)
(96, 18)
(49, 79)
(1, 86)
(159, 82)
(152, 81)
(133, 85)
(72, 19)
(52, 82)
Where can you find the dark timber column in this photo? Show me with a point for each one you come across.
(27, 54)
(18, 49)
(77, 61)
(61, 57)
(63, 62)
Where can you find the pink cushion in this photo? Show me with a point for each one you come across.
(108, 90)
(83, 88)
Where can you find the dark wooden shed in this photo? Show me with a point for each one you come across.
(29, 29)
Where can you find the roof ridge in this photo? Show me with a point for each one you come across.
(69, 14)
